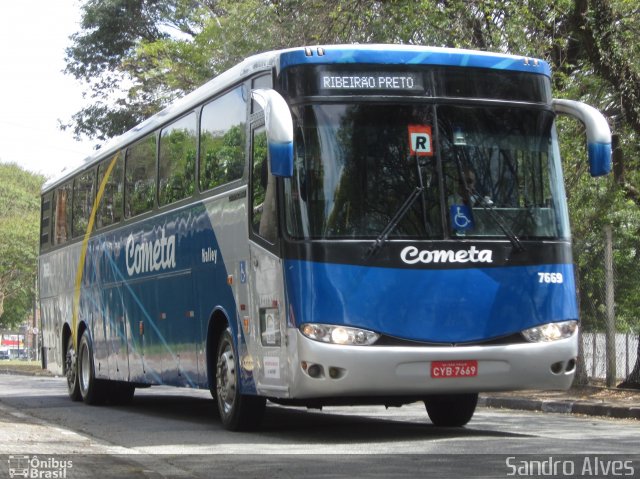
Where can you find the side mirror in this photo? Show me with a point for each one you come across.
(279, 126)
(598, 133)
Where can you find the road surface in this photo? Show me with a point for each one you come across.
(169, 432)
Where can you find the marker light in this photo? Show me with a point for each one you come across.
(551, 331)
(344, 335)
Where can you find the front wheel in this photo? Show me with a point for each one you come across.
(237, 411)
(451, 410)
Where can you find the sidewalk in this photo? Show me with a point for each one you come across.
(587, 400)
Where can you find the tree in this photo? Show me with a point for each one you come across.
(161, 49)
(19, 233)
(605, 36)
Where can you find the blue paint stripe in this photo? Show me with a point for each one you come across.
(446, 305)
(405, 55)
(148, 318)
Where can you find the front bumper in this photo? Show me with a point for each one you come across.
(363, 371)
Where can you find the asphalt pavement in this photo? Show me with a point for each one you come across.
(583, 400)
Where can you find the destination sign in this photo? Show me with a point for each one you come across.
(372, 81)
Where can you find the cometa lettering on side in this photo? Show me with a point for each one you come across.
(152, 255)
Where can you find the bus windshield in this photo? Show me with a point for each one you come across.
(482, 170)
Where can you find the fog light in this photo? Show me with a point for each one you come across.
(550, 331)
(315, 371)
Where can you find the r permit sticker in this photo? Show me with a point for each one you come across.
(420, 140)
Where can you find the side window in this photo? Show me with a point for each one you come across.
(263, 189)
(223, 139)
(112, 201)
(140, 177)
(84, 192)
(45, 220)
(62, 214)
(177, 163)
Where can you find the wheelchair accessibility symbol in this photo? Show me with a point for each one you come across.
(243, 272)
(461, 218)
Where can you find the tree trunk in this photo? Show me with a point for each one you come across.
(582, 377)
(633, 380)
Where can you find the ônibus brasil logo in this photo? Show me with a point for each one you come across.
(412, 255)
(150, 255)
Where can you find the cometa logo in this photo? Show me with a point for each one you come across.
(152, 255)
(412, 255)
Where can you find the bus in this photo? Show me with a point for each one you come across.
(327, 225)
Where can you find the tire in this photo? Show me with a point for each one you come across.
(238, 412)
(451, 410)
(92, 390)
(71, 372)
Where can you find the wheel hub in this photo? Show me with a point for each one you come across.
(70, 366)
(85, 365)
(226, 379)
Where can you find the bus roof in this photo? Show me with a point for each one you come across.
(324, 54)
(411, 55)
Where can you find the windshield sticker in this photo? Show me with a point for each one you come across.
(459, 138)
(461, 219)
(420, 140)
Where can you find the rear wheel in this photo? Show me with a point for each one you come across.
(92, 389)
(237, 411)
(71, 371)
(451, 410)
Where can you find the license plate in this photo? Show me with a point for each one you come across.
(454, 369)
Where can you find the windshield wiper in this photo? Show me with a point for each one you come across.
(383, 237)
(384, 234)
(490, 208)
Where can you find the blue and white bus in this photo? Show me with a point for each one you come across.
(374, 224)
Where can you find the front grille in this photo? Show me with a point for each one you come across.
(501, 341)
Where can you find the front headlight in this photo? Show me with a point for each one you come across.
(551, 331)
(344, 335)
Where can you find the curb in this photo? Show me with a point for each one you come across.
(565, 406)
(17, 372)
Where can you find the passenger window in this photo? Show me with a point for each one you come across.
(223, 139)
(177, 166)
(84, 193)
(112, 201)
(62, 214)
(45, 220)
(140, 177)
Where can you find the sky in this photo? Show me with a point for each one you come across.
(34, 93)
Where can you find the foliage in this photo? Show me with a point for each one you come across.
(222, 156)
(138, 55)
(19, 233)
(177, 161)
